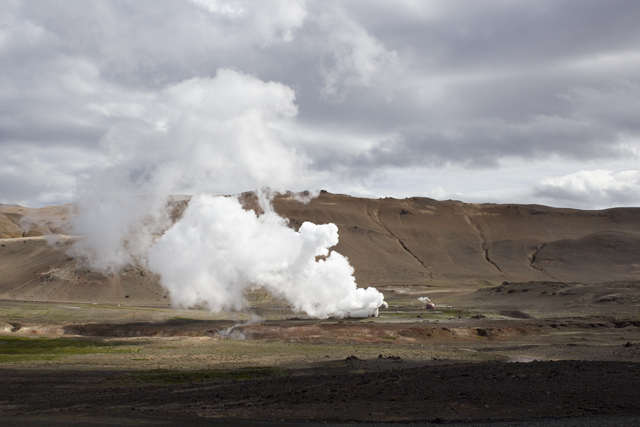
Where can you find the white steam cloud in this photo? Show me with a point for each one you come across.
(218, 250)
(206, 136)
(201, 135)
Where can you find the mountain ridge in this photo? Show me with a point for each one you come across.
(390, 243)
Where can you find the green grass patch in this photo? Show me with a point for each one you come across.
(161, 376)
(485, 283)
(20, 349)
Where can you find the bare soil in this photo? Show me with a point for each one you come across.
(408, 365)
(360, 390)
(537, 318)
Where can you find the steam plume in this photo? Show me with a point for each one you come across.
(203, 136)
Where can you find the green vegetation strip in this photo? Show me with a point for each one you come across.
(438, 313)
(162, 376)
(20, 349)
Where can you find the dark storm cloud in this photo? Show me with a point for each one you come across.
(378, 84)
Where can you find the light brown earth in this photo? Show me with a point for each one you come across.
(512, 283)
(389, 242)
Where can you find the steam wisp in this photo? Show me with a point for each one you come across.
(201, 136)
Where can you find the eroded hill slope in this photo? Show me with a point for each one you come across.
(389, 242)
(421, 240)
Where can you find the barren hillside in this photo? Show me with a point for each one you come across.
(389, 242)
(421, 241)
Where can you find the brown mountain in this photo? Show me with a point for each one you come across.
(390, 242)
(420, 240)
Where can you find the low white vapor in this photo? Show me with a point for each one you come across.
(205, 136)
(218, 250)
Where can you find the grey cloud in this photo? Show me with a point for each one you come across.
(591, 188)
(483, 35)
(441, 82)
(33, 175)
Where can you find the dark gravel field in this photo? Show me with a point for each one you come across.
(479, 392)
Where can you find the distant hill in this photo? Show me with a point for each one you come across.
(420, 240)
(390, 242)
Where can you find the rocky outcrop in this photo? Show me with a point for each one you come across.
(13, 225)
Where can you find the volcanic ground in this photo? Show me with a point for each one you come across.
(537, 318)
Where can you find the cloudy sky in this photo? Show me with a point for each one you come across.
(480, 101)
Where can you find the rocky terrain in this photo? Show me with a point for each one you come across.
(537, 315)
